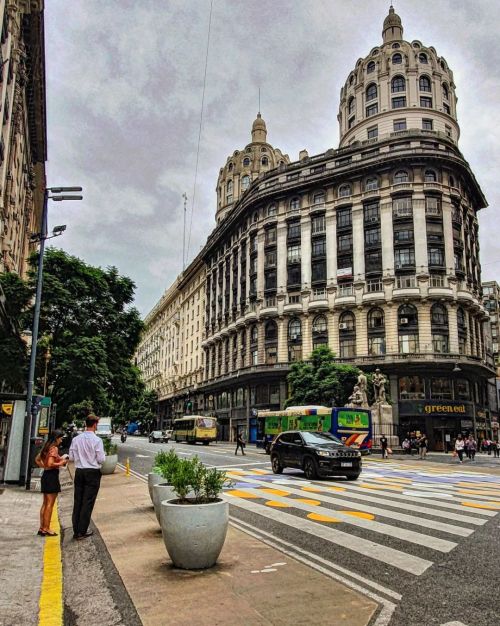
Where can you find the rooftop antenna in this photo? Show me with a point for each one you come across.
(184, 234)
(259, 99)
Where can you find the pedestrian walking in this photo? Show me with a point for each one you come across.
(240, 443)
(459, 448)
(384, 444)
(87, 451)
(406, 445)
(496, 448)
(422, 446)
(471, 447)
(50, 461)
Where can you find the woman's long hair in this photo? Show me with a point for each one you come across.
(51, 441)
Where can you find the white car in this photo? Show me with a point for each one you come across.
(159, 435)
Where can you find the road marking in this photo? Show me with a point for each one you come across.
(51, 593)
(401, 560)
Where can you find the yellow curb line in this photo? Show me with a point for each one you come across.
(51, 599)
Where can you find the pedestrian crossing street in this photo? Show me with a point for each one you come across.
(401, 517)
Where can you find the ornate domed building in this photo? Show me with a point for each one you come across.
(372, 248)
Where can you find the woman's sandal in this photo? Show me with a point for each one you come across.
(47, 533)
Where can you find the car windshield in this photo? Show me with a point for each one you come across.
(320, 439)
(156, 433)
(103, 427)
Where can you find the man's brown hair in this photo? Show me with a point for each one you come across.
(90, 420)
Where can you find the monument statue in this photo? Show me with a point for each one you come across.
(379, 381)
(356, 398)
(363, 385)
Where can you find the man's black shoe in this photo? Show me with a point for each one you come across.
(89, 533)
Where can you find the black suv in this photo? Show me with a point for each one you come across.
(318, 454)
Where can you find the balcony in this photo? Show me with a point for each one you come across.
(433, 211)
(432, 185)
(405, 282)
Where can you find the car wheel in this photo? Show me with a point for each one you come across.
(276, 465)
(352, 476)
(151, 440)
(205, 443)
(310, 468)
(268, 448)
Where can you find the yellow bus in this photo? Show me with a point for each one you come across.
(194, 428)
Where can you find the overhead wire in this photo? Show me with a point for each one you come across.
(199, 131)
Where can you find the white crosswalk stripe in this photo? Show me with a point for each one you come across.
(382, 512)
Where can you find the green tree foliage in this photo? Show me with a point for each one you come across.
(93, 329)
(321, 380)
(13, 353)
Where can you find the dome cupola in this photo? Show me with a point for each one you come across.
(393, 29)
(259, 130)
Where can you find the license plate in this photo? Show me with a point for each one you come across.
(346, 464)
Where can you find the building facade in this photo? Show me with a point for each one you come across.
(371, 248)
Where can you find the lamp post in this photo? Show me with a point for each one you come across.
(25, 473)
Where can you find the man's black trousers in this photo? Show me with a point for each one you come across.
(87, 483)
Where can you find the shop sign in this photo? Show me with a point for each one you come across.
(7, 408)
(429, 407)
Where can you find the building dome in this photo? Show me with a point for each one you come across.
(259, 130)
(398, 86)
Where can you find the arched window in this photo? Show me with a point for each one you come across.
(451, 181)
(294, 329)
(245, 182)
(401, 177)
(246, 162)
(230, 167)
(254, 334)
(371, 184)
(271, 331)
(462, 331)
(271, 210)
(370, 67)
(347, 322)
(376, 319)
(422, 57)
(344, 191)
(461, 319)
(347, 335)
(351, 106)
(446, 93)
(398, 83)
(424, 83)
(371, 92)
(229, 191)
(395, 46)
(397, 59)
(319, 198)
(407, 316)
(294, 204)
(351, 79)
(408, 329)
(264, 161)
(439, 315)
(319, 325)
(430, 176)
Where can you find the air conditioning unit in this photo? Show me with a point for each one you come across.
(372, 220)
(399, 266)
(403, 320)
(294, 337)
(343, 326)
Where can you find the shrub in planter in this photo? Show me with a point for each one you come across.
(111, 452)
(163, 489)
(194, 528)
(162, 465)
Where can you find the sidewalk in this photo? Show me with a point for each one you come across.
(228, 594)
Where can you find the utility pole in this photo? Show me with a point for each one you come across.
(184, 234)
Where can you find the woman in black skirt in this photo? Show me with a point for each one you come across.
(50, 460)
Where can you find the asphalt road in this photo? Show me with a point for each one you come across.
(420, 538)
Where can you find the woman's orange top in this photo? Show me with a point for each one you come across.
(54, 454)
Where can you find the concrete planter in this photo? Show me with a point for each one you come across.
(194, 533)
(154, 479)
(109, 465)
(161, 491)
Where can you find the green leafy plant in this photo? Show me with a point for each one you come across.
(214, 483)
(109, 447)
(182, 478)
(191, 475)
(166, 464)
(198, 472)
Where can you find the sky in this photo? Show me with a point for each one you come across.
(124, 95)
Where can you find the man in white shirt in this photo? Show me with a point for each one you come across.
(87, 452)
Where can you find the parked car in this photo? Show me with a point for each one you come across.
(317, 453)
(162, 436)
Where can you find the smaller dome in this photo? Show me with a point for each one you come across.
(393, 28)
(259, 130)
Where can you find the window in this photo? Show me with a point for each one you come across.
(372, 109)
(430, 176)
(344, 218)
(399, 125)
(270, 236)
(424, 84)
(294, 204)
(441, 389)
(270, 280)
(407, 316)
(264, 161)
(344, 191)
(371, 92)
(411, 388)
(462, 389)
(318, 247)
(372, 236)
(440, 343)
(371, 184)
(229, 191)
(254, 334)
(295, 329)
(401, 177)
(319, 326)
(318, 224)
(254, 357)
(351, 122)
(293, 275)
(270, 331)
(408, 344)
(373, 262)
(245, 183)
(446, 109)
(271, 355)
(427, 124)
(271, 210)
(318, 271)
(319, 198)
(439, 315)
(246, 162)
(270, 259)
(432, 206)
(404, 257)
(398, 83)
(445, 91)
(347, 322)
(399, 102)
(293, 254)
(376, 346)
(426, 102)
(351, 107)
(435, 257)
(370, 67)
(397, 59)
(422, 57)
(375, 319)
(371, 213)
(347, 348)
(344, 243)
(294, 230)
(372, 132)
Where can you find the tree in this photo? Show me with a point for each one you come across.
(14, 358)
(321, 380)
(93, 332)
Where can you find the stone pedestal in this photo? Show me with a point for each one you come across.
(383, 424)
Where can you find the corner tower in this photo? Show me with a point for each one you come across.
(399, 86)
(244, 166)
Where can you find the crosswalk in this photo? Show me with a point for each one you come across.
(395, 522)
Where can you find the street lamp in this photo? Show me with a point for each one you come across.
(25, 474)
